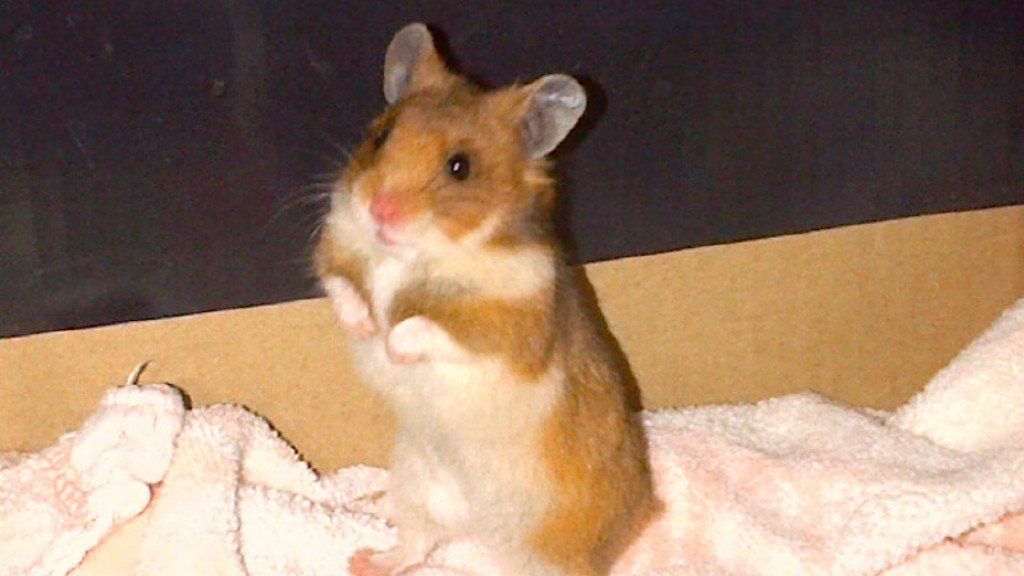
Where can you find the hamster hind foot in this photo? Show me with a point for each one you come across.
(398, 560)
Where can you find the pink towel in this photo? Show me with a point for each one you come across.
(57, 504)
(793, 485)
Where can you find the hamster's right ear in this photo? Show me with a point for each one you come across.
(554, 104)
(412, 64)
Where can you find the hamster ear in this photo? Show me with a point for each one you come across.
(412, 64)
(554, 105)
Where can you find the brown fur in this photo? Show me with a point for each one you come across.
(592, 448)
(425, 128)
(519, 331)
(330, 259)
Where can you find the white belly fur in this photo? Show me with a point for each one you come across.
(467, 443)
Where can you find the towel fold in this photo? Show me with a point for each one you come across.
(792, 485)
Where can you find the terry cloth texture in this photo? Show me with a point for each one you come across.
(793, 485)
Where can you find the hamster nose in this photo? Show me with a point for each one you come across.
(384, 208)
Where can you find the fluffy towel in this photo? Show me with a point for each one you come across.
(57, 504)
(794, 485)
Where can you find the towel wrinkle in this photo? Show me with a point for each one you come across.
(791, 485)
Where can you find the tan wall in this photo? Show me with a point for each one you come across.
(864, 314)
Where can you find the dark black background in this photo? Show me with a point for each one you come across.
(156, 157)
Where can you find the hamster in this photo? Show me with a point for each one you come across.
(439, 257)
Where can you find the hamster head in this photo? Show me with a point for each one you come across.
(449, 165)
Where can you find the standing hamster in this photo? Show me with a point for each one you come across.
(439, 256)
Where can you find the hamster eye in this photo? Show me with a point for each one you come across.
(381, 138)
(458, 166)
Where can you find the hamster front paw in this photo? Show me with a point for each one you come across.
(409, 340)
(418, 339)
(351, 309)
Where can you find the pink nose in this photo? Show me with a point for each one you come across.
(384, 208)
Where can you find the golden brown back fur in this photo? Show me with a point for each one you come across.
(594, 448)
(481, 262)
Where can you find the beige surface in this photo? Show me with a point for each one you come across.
(865, 314)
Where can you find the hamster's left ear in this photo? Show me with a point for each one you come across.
(412, 64)
(554, 105)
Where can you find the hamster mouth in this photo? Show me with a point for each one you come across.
(385, 238)
(391, 243)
